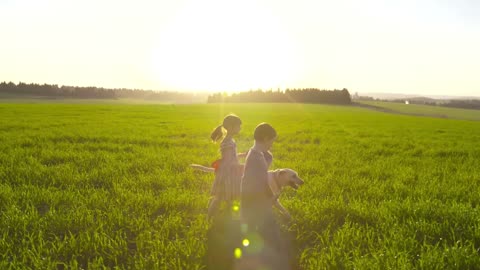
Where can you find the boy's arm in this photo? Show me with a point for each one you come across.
(257, 168)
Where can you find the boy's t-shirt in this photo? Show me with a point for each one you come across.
(256, 195)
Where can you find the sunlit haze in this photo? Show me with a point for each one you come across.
(411, 47)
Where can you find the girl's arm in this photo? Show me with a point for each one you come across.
(241, 155)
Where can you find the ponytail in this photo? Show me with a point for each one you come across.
(228, 122)
(217, 133)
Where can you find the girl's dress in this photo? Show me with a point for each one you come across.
(228, 173)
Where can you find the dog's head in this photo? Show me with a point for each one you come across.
(288, 177)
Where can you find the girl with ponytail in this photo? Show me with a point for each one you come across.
(228, 171)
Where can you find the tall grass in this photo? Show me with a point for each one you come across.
(108, 185)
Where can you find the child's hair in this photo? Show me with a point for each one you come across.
(264, 132)
(229, 122)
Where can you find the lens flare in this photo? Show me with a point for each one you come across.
(237, 253)
(255, 243)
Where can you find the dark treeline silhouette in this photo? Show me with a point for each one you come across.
(473, 104)
(464, 104)
(49, 90)
(54, 91)
(306, 95)
(357, 97)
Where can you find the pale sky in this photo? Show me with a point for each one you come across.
(413, 47)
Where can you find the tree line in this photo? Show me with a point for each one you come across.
(472, 104)
(53, 90)
(464, 104)
(305, 95)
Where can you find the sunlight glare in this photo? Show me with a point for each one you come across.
(223, 46)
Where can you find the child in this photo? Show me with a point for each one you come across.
(256, 205)
(256, 195)
(226, 186)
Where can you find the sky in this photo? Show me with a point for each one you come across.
(412, 47)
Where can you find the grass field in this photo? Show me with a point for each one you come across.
(108, 185)
(425, 110)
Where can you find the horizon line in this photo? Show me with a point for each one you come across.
(282, 89)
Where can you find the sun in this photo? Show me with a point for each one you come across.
(223, 46)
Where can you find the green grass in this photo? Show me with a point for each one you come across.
(426, 110)
(108, 185)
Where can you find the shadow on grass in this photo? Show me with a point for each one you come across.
(231, 246)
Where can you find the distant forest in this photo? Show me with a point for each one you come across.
(306, 95)
(473, 104)
(465, 104)
(54, 91)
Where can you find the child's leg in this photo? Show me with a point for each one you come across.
(228, 208)
(228, 204)
(213, 206)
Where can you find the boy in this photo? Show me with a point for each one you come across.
(256, 195)
(256, 201)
